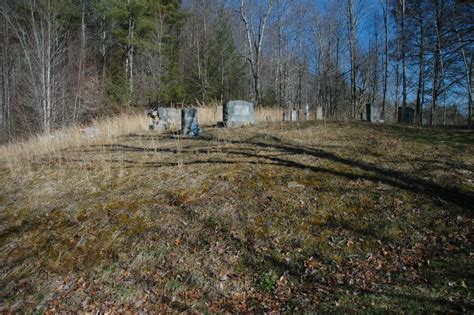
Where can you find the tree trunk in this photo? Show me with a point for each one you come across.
(129, 59)
(280, 87)
(421, 73)
(385, 76)
(468, 73)
(255, 41)
(403, 55)
(80, 76)
(48, 71)
(436, 65)
(352, 40)
(103, 51)
(3, 78)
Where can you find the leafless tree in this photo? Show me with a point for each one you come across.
(255, 30)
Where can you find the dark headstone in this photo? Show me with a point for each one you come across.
(189, 119)
(406, 116)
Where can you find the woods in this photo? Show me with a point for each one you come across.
(68, 61)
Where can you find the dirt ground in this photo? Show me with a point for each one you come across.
(275, 217)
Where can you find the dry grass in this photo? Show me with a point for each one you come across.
(280, 216)
(20, 155)
(209, 115)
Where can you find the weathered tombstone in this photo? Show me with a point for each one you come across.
(368, 112)
(372, 113)
(291, 115)
(219, 114)
(189, 118)
(408, 115)
(306, 112)
(376, 114)
(294, 115)
(170, 118)
(319, 113)
(90, 132)
(238, 113)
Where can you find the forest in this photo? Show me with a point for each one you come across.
(65, 62)
(154, 159)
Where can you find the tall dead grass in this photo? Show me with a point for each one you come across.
(209, 114)
(51, 146)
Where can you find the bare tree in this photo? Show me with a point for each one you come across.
(436, 60)
(130, 53)
(386, 60)
(41, 40)
(352, 46)
(403, 54)
(81, 67)
(420, 22)
(468, 69)
(255, 34)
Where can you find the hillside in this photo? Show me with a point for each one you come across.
(282, 216)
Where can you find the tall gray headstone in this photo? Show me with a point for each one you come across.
(306, 112)
(319, 113)
(220, 113)
(294, 115)
(238, 113)
(189, 117)
(291, 115)
(372, 113)
(376, 114)
(170, 118)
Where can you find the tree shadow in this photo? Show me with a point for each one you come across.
(254, 146)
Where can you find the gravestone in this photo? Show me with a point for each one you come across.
(408, 115)
(368, 112)
(291, 115)
(238, 113)
(376, 114)
(372, 113)
(189, 119)
(294, 115)
(219, 115)
(306, 112)
(90, 132)
(319, 113)
(170, 118)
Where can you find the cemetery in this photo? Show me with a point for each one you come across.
(233, 114)
(236, 157)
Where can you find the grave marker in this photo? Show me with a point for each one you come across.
(170, 118)
(189, 119)
(238, 113)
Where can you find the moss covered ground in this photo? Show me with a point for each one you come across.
(275, 217)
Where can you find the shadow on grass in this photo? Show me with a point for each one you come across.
(252, 147)
(458, 138)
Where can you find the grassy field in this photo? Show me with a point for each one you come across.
(275, 217)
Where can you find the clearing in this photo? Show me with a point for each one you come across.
(284, 216)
